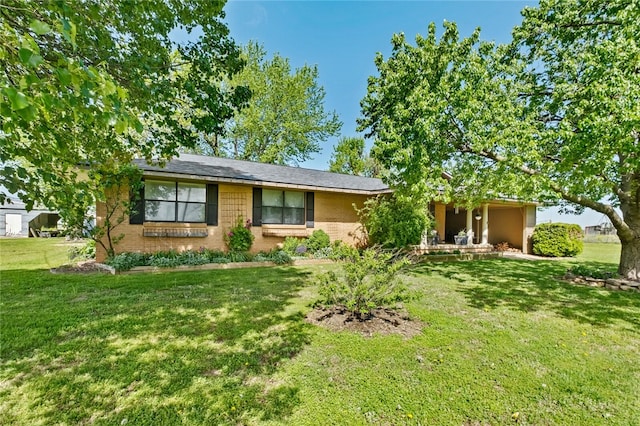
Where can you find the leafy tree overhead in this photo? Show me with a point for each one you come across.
(285, 121)
(349, 157)
(554, 115)
(98, 82)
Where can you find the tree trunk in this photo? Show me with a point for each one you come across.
(630, 259)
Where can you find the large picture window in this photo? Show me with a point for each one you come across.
(166, 201)
(282, 207)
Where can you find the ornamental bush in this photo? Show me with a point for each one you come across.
(557, 240)
(294, 246)
(393, 222)
(318, 240)
(365, 282)
(239, 238)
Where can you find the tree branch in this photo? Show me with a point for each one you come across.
(617, 221)
(589, 24)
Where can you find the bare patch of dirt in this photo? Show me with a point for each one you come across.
(381, 321)
(84, 267)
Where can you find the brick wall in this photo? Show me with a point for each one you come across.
(333, 213)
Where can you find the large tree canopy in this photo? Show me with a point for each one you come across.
(552, 115)
(285, 121)
(349, 157)
(96, 82)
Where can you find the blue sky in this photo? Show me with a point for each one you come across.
(342, 37)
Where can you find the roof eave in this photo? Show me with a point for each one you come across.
(235, 181)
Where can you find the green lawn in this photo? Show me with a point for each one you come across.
(601, 252)
(231, 347)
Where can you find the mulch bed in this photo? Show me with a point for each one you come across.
(84, 267)
(381, 321)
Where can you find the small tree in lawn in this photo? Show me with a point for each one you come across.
(365, 282)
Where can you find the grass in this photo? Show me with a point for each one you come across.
(601, 253)
(231, 347)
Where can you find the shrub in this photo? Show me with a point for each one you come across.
(324, 253)
(393, 222)
(191, 257)
(365, 282)
(280, 257)
(291, 245)
(557, 240)
(212, 254)
(126, 261)
(318, 240)
(239, 256)
(87, 251)
(164, 262)
(342, 251)
(239, 238)
(585, 271)
(173, 258)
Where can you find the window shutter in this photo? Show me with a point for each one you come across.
(310, 207)
(257, 207)
(212, 204)
(136, 216)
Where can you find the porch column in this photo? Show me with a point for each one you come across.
(485, 224)
(470, 226)
(440, 218)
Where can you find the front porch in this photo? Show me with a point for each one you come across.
(483, 226)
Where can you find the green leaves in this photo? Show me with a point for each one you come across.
(551, 116)
(87, 83)
(285, 121)
(68, 31)
(39, 27)
(365, 282)
(17, 99)
(30, 58)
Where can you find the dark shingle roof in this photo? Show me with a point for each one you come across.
(225, 169)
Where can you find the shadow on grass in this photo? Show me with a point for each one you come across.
(198, 347)
(535, 285)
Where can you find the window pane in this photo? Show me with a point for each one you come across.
(271, 198)
(294, 216)
(159, 190)
(193, 192)
(294, 199)
(164, 211)
(271, 214)
(190, 212)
